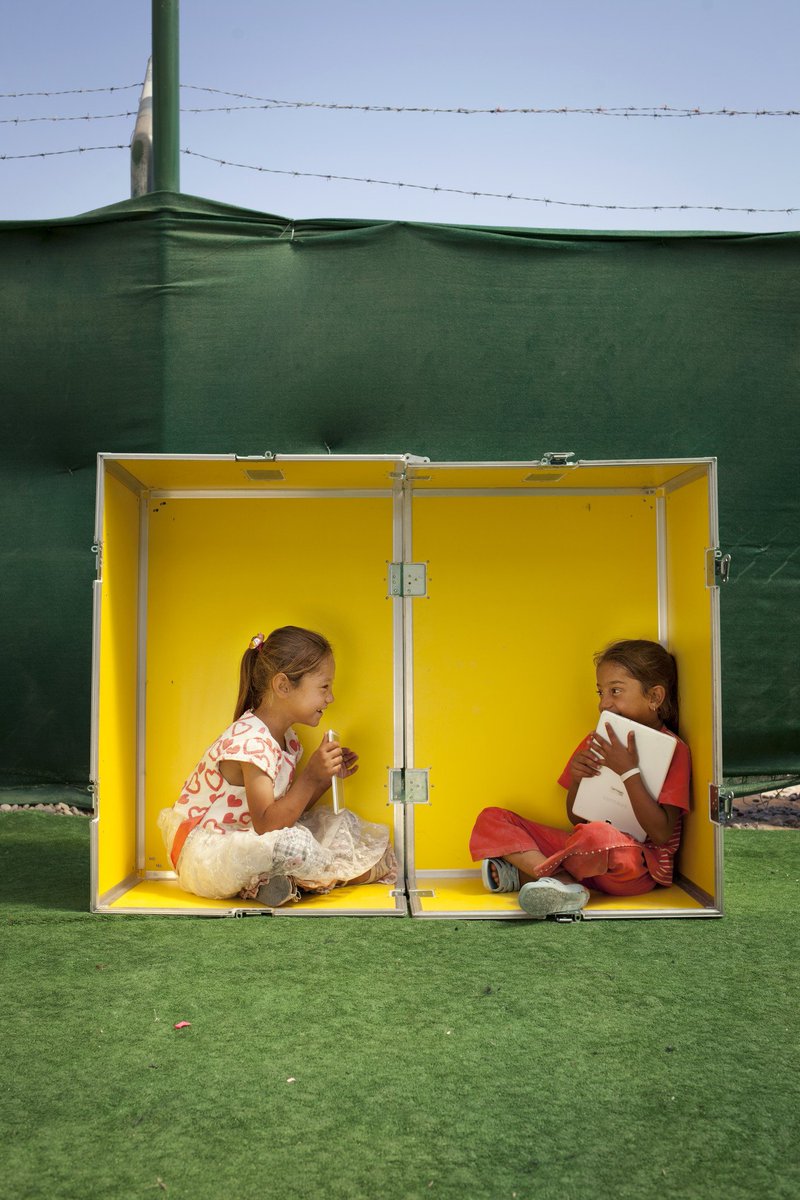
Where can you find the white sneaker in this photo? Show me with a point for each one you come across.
(550, 897)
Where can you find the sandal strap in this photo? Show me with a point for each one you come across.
(507, 875)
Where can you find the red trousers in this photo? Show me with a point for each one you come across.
(596, 854)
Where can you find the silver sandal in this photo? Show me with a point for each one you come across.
(276, 891)
(507, 875)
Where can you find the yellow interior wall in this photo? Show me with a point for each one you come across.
(222, 570)
(522, 592)
(691, 632)
(532, 476)
(115, 830)
(230, 473)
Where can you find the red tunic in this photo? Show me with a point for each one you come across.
(594, 852)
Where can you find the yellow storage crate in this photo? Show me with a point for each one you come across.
(464, 602)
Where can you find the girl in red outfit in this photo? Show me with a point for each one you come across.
(552, 868)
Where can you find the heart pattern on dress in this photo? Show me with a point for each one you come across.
(214, 779)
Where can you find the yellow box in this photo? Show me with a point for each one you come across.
(464, 602)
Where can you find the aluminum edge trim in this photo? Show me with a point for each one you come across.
(99, 501)
(662, 571)
(530, 463)
(265, 493)
(406, 605)
(532, 491)
(398, 683)
(94, 732)
(716, 680)
(141, 677)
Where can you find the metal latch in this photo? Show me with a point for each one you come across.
(720, 804)
(408, 785)
(718, 567)
(407, 579)
(558, 458)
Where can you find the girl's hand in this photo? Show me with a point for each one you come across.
(349, 763)
(612, 753)
(583, 765)
(329, 759)
(325, 762)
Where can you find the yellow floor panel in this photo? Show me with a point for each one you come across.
(366, 898)
(165, 896)
(466, 896)
(162, 895)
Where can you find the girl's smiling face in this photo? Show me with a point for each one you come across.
(313, 694)
(620, 693)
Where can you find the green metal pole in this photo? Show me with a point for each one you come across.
(166, 97)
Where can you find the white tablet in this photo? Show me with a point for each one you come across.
(337, 784)
(604, 797)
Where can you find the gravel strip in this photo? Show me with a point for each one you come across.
(63, 810)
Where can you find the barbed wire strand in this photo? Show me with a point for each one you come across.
(426, 187)
(123, 87)
(277, 105)
(628, 110)
(52, 153)
(623, 111)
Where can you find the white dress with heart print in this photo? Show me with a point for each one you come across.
(215, 851)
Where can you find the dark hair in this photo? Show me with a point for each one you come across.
(289, 650)
(652, 665)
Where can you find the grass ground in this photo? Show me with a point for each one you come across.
(395, 1059)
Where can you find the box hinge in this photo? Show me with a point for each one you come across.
(408, 785)
(407, 579)
(718, 567)
(97, 550)
(720, 804)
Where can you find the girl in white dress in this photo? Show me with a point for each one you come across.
(247, 822)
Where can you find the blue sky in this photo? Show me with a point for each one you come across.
(426, 53)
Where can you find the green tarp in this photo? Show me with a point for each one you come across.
(172, 324)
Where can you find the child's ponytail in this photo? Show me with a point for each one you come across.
(290, 651)
(248, 697)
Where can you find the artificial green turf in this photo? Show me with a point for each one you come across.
(430, 1058)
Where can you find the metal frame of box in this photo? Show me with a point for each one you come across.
(525, 510)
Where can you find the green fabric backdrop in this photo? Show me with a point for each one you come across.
(172, 324)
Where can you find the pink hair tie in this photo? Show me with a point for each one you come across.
(257, 642)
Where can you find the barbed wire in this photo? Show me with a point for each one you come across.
(622, 111)
(77, 117)
(51, 153)
(123, 87)
(628, 110)
(425, 187)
